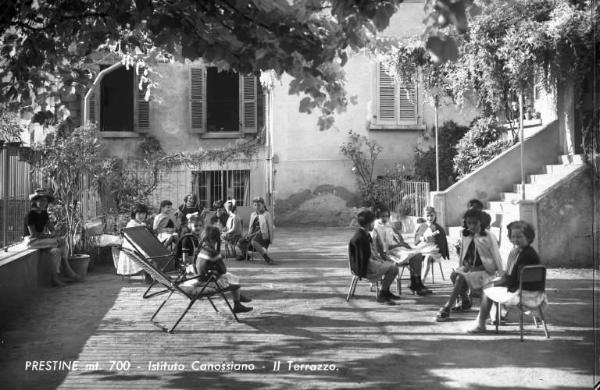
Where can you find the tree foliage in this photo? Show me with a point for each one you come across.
(479, 145)
(46, 46)
(450, 134)
(72, 165)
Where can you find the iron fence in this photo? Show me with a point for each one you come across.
(14, 193)
(406, 197)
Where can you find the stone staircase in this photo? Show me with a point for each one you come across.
(503, 209)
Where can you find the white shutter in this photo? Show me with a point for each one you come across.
(407, 103)
(198, 100)
(248, 106)
(386, 97)
(142, 109)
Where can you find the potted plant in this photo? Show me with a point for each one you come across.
(70, 163)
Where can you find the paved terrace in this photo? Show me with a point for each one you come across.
(300, 314)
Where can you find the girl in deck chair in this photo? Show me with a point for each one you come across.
(210, 260)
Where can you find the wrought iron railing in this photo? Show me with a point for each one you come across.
(406, 197)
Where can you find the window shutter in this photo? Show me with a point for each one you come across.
(142, 110)
(197, 100)
(248, 106)
(407, 105)
(386, 96)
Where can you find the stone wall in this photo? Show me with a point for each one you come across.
(566, 222)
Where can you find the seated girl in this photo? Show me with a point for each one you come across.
(431, 232)
(521, 235)
(209, 260)
(232, 232)
(166, 223)
(480, 261)
(125, 265)
(391, 240)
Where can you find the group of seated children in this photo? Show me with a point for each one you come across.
(377, 249)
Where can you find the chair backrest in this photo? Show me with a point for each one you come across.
(534, 277)
(146, 243)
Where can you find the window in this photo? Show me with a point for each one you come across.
(118, 105)
(396, 105)
(224, 101)
(222, 185)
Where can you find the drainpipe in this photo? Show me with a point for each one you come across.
(522, 137)
(86, 97)
(5, 196)
(437, 154)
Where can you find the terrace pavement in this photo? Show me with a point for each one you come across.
(300, 315)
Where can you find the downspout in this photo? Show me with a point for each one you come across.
(86, 97)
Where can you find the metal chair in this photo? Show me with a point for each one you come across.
(356, 278)
(529, 274)
(430, 261)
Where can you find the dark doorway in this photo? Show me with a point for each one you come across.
(116, 109)
(222, 100)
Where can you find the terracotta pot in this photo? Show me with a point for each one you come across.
(80, 264)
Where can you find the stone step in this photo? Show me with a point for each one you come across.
(499, 207)
(566, 159)
(561, 169)
(531, 190)
(510, 196)
(542, 179)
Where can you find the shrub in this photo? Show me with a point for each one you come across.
(479, 145)
(449, 135)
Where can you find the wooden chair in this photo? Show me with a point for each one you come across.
(529, 274)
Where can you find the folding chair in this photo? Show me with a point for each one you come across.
(200, 288)
(145, 243)
(356, 278)
(529, 274)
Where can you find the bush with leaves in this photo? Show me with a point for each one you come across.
(71, 165)
(449, 133)
(479, 145)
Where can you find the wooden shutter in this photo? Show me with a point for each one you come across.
(248, 106)
(407, 103)
(142, 109)
(197, 100)
(386, 97)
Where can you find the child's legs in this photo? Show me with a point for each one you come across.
(235, 294)
(257, 247)
(428, 261)
(484, 310)
(416, 264)
(459, 285)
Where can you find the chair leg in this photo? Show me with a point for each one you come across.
(229, 305)
(544, 322)
(213, 304)
(535, 321)
(432, 272)
(441, 271)
(497, 316)
(377, 287)
(182, 315)
(398, 285)
(521, 321)
(353, 283)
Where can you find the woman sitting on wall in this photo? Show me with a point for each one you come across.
(39, 234)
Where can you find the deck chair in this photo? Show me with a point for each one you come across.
(207, 287)
(148, 247)
(529, 274)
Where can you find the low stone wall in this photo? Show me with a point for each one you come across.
(21, 274)
(326, 205)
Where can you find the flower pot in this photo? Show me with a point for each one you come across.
(80, 264)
